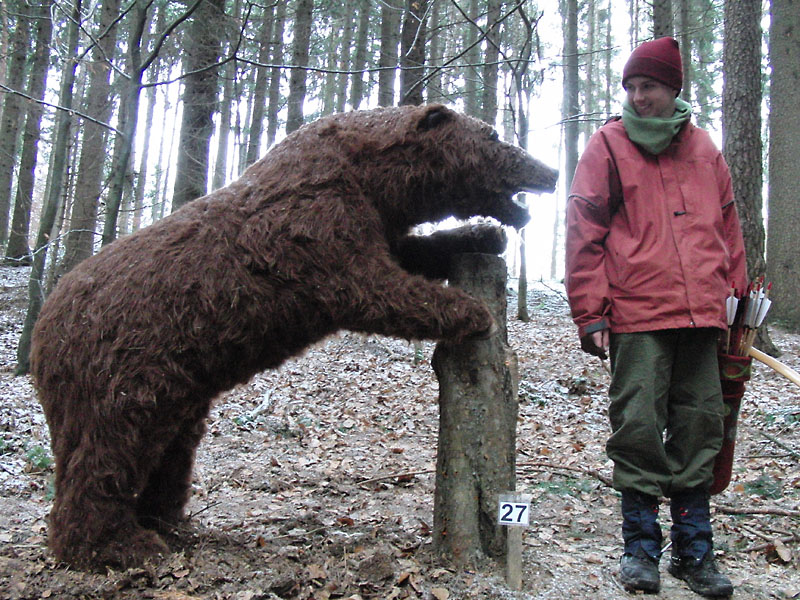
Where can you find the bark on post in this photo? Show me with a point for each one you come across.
(477, 423)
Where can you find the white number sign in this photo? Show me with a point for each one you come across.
(513, 513)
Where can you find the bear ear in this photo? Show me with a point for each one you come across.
(434, 116)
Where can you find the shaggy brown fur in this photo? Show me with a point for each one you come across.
(134, 343)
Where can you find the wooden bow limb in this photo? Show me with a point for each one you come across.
(777, 365)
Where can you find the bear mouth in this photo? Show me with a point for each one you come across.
(515, 213)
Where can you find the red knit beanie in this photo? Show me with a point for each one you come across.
(659, 60)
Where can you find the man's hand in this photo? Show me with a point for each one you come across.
(596, 343)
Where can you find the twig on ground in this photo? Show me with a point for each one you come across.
(586, 471)
(205, 508)
(733, 510)
(759, 547)
(757, 533)
(395, 475)
(775, 441)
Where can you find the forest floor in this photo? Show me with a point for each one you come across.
(316, 481)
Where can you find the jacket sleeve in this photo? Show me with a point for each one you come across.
(737, 274)
(593, 196)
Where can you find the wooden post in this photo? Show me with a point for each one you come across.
(476, 458)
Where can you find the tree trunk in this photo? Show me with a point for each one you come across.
(12, 107)
(344, 56)
(260, 91)
(300, 52)
(784, 150)
(3, 46)
(741, 125)
(202, 51)
(662, 18)
(390, 32)
(89, 185)
(472, 56)
(224, 130)
(412, 59)
(150, 99)
(608, 94)
(571, 106)
(685, 37)
(275, 77)
(438, 43)
(18, 250)
(490, 65)
(50, 209)
(522, 287)
(121, 171)
(589, 105)
(476, 457)
(360, 60)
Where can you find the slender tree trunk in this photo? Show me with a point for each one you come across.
(784, 150)
(571, 107)
(150, 96)
(608, 71)
(121, 171)
(589, 105)
(360, 61)
(390, 34)
(472, 98)
(478, 407)
(18, 250)
(685, 37)
(159, 195)
(704, 48)
(241, 87)
(224, 130)
(12, 108)
(344, 56)
(50, 209)
(433, 86)
(300, 53)
(260, 92)
(330, 84)
(275, 77)
(490, 65)
(4, 41)
(199, 102)
(412, 58)
(522, 287)
(634, 13)
(89, 185)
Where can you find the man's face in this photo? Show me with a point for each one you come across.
(650, 98)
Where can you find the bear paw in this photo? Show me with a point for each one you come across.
(128, 548)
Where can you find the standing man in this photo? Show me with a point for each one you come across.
(653, 247)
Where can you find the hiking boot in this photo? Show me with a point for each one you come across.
(702, 575)
(639, 572)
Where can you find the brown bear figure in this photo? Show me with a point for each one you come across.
(133, 344)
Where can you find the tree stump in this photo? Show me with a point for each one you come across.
(478, 406)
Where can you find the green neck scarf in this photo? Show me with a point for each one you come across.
(654, 134)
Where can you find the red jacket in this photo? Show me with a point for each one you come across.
(653, 242)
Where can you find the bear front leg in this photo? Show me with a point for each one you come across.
(99, 469)
(389, 301)
(432, 255)
(89, 531)
(160, 505)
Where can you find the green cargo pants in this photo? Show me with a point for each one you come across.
(666, 410)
